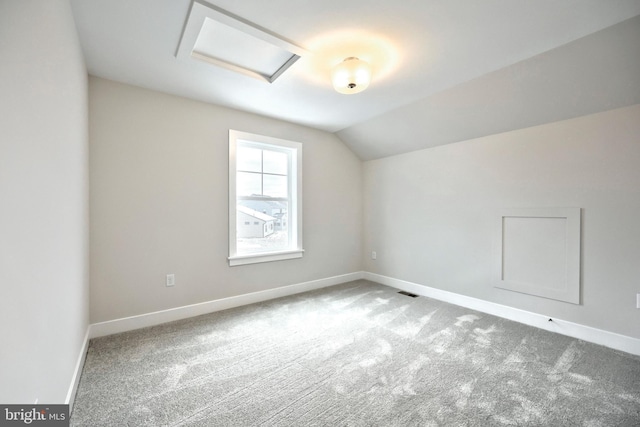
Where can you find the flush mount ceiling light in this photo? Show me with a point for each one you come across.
(352, 75)
(222, 39)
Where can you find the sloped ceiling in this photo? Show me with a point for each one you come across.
(596, 73)
(448, 71)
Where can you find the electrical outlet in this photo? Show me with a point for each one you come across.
(374, 255)
(637, 300)
(171, 279)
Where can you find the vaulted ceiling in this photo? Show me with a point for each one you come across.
(443, 71)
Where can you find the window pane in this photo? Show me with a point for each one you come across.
(266, 173)
(275, 185)
(270, 234)
(275, 162)
(249, 159)
(248, 184)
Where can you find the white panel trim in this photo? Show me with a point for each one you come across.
(570, 292)
(77, 372)
(201, 10)
(269, 257)
(574, 330)
(179, 313)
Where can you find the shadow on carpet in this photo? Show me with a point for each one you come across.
(357, 354)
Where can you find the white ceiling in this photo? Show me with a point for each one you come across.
(430, 55)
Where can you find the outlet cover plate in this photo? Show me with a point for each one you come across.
(171, 279)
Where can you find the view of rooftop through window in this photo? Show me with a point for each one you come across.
(265, 199)
(262, 191)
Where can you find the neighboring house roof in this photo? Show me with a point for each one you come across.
(259, 205)
(255, 214)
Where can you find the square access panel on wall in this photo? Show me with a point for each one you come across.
(539, 252)
(222, 39)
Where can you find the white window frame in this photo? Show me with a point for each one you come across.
(295, 197)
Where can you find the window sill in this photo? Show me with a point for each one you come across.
(267, 257)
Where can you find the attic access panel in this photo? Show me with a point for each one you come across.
(539, 252)
(219, 38)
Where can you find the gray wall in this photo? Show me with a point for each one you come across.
(44, 201)
(431, 214)
(159, 204)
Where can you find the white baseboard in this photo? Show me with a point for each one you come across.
(151, 319)
(586, 333)
(575, 330)
(75, 379)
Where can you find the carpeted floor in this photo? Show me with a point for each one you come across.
(357, 354)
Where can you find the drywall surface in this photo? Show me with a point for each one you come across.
(431, 215)
(159, 203)
(595, 73)
(44, 231)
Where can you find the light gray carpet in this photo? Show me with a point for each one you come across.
(357, 354)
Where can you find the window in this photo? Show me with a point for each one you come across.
(265, 189)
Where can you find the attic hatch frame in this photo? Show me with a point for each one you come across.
(196, 17)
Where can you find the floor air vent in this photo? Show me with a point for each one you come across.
(409, 294)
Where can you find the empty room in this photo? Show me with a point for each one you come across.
(296, 213)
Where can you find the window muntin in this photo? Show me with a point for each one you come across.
(265, 198)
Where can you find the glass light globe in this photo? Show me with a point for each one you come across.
(352, 75)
